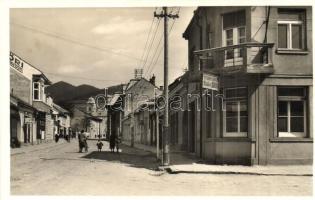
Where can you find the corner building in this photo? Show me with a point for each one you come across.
(257, 63)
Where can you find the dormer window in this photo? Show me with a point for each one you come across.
(36, 91)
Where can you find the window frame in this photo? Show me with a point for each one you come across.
(238, 100)
(288, 100)
(37, 89)
(235, 41)
(289, 24)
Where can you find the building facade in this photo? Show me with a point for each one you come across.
(31, 117)
(139, 118)
(62, 121)
(85, 116)
(248, 90)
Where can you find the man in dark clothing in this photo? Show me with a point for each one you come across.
(112, 139)
(81, 142)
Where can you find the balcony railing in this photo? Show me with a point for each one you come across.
(246, 57)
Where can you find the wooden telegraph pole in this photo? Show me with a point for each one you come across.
(166, 135)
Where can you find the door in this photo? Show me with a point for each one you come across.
(192, 127)
(13, 131)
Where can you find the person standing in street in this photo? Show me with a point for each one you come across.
(112, 142)
(85, 142)
(99, 145)
(117, 143)
(80, 140)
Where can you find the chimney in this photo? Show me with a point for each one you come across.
(152, 80)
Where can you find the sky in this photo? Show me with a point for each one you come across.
(98, 46)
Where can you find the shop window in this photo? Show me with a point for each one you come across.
(36, 91)
(291, 112)
(291, 29)
(235, 114)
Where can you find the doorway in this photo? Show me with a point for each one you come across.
(192, 127)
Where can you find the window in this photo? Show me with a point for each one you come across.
(291, 29)
(209, 35)
(291, 112)
(36, 91)
(234, 33)
(229, 42)
(235, 115)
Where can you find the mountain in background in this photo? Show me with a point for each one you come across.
(63, 93)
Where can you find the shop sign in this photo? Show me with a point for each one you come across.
(27, 120)
(16, 62)
(210, 82)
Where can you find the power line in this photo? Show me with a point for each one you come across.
(145, 46)
(151, 43)
(160, 49)
(74, 41)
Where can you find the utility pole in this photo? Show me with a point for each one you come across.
(166, 136)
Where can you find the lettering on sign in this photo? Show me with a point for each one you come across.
(16, 62)
(210, 82)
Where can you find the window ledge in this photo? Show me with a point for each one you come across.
(231, 139)
(291, 52)
(289, 139)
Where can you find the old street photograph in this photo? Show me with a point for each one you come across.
(163, 101)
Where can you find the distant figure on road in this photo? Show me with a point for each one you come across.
(99, 145)
(56, 137)
(117, 143)
(82, 141)
(112, 142)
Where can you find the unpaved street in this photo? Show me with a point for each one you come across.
(61, 170)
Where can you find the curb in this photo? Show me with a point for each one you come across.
(170, 171)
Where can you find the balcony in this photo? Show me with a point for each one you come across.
(248, 58)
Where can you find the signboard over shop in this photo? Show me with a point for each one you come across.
(16, 62)
(210, 82)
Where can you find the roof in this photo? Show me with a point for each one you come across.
(90, 116)
(131, 83)
(60, 109)
(42, 74)
(114, 99)
(16, 101)
(192, 21)
(134, 82)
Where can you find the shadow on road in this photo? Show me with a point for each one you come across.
(129, 156)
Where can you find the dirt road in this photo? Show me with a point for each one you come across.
(61, 170)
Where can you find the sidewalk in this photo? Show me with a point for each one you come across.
(183, 162)
(37, 147)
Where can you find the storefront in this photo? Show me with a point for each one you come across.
(22, 123)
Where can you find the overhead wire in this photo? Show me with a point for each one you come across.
(155, 62)
(74, 41)
(145, 46)
(151, 43)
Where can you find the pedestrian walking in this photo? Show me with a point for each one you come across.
(117, 143)
(99, 145)
(112, 142)
(80, 140)
(56, 137)
(85, 143)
